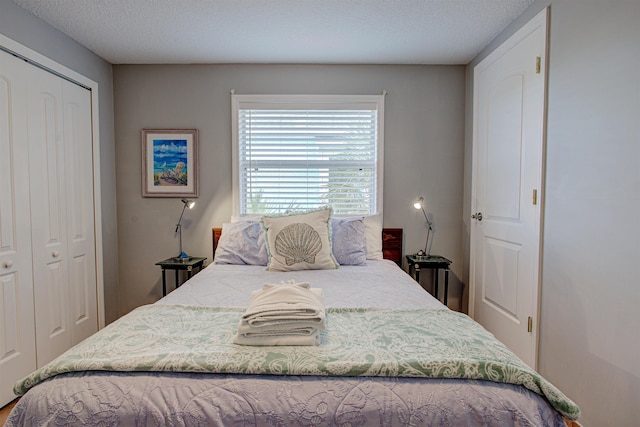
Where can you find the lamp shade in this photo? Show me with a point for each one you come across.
(189, 203)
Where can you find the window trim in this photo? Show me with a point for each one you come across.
(305, 101)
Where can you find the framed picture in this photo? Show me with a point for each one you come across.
(169, 162)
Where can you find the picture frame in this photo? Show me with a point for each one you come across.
(169, 162)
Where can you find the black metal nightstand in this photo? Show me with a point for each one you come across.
(177, 264)
(435, 262)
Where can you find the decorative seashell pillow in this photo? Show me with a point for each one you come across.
(299, 242)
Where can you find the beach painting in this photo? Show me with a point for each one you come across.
(170, 162)
(169, 158)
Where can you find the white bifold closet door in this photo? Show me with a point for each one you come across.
(61, 213)
(17, 330)
(46, 218)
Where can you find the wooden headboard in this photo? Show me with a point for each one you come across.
(391, 243)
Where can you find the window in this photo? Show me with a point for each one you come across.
(293, 153)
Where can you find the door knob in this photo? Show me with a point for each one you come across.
(55, 254)
(477, 215)
(7, 264)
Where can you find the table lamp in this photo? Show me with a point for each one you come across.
(419, 204)
(186, 204)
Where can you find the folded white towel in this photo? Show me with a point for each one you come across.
(291, 282)
(286, 314)
(274, 305)
(296, 327)
(282, 317)
(293, 329)
(313, 339)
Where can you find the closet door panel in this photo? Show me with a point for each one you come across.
(17, 335)
(80, 211)
(48, 215)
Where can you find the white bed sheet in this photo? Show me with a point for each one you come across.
(379, 284)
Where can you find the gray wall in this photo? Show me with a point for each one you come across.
(589, 339)
(424, 150)
(26, 29)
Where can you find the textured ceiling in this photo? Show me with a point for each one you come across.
(281, 31)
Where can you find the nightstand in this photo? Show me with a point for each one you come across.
(434, 262)
(177, 264)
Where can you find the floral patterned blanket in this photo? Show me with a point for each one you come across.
(430, 343)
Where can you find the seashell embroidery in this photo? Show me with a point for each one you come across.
(298, 242)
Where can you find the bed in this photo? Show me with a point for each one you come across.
(372, 368)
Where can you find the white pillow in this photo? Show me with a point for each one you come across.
(299, 241)
(241, 243)
(373, 236)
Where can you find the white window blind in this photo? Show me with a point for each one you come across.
(302, 155)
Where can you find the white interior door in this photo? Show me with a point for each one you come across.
(17, 334)
(509, 102)
(78, 149)
(48, 215)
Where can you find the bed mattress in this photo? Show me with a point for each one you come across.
(166, 398)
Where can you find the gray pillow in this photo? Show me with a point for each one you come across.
(348, 241)
(241, 243)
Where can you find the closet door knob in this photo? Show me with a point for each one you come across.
(7, 264)
(55, 254)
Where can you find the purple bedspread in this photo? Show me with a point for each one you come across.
(167, 399)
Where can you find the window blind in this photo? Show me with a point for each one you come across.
(296, 159)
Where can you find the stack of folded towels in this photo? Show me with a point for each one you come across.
(285, 314)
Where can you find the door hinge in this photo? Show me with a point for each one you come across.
(530, 324)
(538, 66)
(534, 197)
